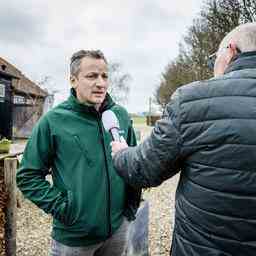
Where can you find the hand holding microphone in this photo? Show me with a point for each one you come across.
(111, 124)
(117, 146)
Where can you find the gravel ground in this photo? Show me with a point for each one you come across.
(161, 216)
(33, 230)
(34, 226)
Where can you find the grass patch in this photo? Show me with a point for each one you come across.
(139, 120)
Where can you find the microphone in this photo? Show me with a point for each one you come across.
(111, 124)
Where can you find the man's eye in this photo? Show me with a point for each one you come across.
(92, 76)
(105, 76)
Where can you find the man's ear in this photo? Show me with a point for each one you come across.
(73, 81)
(232, 51)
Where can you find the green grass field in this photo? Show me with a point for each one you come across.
(138, 120)
(140, 127)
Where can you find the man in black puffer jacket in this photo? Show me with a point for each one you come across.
(208, 133)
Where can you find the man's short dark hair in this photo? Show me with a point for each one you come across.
(78, 56)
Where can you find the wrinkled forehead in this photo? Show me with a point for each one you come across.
(89, 64)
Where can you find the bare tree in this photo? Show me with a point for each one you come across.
(118, 83)
(248, 10)
(215, 20)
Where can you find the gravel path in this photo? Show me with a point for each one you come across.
(34, 226)
(33, 230)
(161, 218)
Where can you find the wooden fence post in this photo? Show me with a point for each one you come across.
(10, 166)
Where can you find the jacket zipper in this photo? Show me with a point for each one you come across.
(108, 178)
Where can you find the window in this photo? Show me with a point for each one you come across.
(2, 90)
(19, 99)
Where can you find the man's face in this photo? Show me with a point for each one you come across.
(91, 83)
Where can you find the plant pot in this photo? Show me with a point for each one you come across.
(5, 147)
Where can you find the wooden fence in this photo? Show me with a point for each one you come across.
(8, 204)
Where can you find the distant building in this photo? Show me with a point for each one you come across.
(151, 119)
(21, 102)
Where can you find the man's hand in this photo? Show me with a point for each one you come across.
(117, 146)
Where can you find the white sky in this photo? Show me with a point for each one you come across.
(40, 36)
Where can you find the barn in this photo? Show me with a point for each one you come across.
(21, 102)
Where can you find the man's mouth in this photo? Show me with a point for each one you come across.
(99, 93)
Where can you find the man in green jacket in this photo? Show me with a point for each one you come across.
(87, 199)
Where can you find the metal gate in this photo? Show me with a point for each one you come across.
(5, 107)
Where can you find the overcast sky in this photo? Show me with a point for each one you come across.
(39, 37)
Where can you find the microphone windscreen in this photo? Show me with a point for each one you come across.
(109, 120)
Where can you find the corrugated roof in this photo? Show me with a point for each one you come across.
(23, 84)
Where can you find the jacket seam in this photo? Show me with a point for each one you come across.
(223, 96)
(219, 167)
(219, 119)
(199, 245)
(233, 195)
(214, 213)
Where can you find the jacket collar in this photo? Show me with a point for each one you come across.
(79, 107)
(245, 60)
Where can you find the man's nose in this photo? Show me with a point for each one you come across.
(101, 81)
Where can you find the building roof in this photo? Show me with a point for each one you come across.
(5, 74)
(20, 82)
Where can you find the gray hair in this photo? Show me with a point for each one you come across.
(77, 57)
(243, 35)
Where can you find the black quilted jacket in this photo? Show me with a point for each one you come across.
(208, 134)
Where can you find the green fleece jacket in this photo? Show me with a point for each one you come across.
(87, 199)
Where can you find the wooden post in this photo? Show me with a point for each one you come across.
(10, 166)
